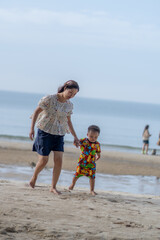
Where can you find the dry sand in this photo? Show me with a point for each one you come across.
(37, 214)
(27, 214)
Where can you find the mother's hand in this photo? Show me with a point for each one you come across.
(76, 142)
(31, 134)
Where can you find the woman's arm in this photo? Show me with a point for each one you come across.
(149, 134)
(34, 118)
(76, 140)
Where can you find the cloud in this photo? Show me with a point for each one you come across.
(42, 17)
(85, 27)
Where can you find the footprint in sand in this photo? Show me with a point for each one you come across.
(129, 224)
(8, 230)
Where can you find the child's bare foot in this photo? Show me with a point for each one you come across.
(71, 187)
(93, 193)
(55, 191)
(32, 182)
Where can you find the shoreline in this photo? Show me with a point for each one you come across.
(69, 144)
(115, 163)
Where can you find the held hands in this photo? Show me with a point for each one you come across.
(31, 134)
(97, 157)
(76, 142)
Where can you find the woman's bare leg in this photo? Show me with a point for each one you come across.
(146, 148)
(143, 148)
(56, 170)
(74, 180)
(39, 167)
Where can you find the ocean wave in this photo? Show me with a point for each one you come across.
(12, 137)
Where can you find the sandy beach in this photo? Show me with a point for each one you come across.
(38, 214)
(27, 213)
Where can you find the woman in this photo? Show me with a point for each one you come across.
(53, 117)
(146, 135)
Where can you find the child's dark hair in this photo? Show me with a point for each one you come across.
(94, 128)
(69, 84)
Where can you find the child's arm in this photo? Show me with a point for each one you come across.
(98, 155)
(34, 118)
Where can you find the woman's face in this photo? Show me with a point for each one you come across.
(69, 93)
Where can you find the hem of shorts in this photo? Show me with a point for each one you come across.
(48, 154)
(57, 150)
(39, 153)
(85, 176)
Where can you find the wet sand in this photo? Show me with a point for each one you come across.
(118, 163)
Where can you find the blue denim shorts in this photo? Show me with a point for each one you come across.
(46, 142)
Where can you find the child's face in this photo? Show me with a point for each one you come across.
(92, 136)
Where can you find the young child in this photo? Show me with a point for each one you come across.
(87, 161)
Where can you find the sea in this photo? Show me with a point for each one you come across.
(121, 123)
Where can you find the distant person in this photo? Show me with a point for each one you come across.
(153, 152)
(87, 161)
(158, 143)
(53, 117)
(146, 135)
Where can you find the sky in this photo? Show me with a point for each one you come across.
(110, 47)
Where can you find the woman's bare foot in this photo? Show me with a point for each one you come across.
(32, 182)
(93, 193)
(55, 191)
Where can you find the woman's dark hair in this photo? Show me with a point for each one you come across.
(70, 85)
(94, 128)
(146, 127)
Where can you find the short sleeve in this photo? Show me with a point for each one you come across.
(98, 148)
(81, 141)
(70, 110)
(44, 103)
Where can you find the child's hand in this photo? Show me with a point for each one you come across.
(76, 142)
(97, 157)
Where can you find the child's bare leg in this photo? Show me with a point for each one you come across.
(73, 183)
(92, 183)
(39, 167)
(56, 171)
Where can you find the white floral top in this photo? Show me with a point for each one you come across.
(53, 118)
